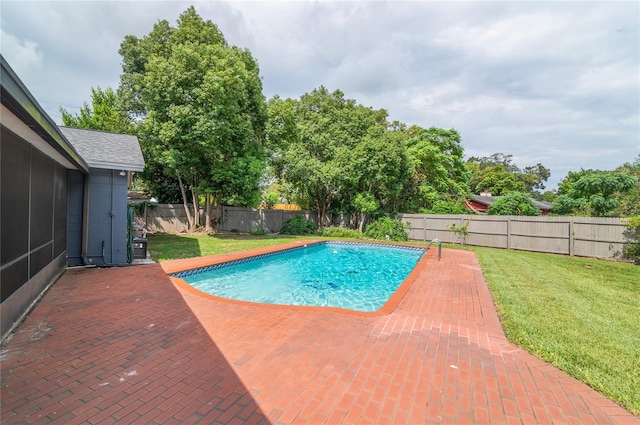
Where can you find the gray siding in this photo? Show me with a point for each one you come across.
(107, 218)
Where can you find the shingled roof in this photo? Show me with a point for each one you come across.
(488, 200)
(101, 149)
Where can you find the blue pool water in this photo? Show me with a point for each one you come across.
(353, 276)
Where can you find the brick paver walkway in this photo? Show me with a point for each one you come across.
(128, 345)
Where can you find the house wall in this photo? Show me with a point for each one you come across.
(33, 209)
(107, 218)
(76, 181)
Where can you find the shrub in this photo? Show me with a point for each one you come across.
(461, 232)
(258, 231)
(444, 207)
(271, 199)
(298, 225)
(341, 232)
(632, 233)
(385, 226)
(513, 203)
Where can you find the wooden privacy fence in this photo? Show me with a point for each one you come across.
(172, 218)
(580, 236)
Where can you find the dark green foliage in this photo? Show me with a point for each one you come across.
(341, 232)
(202, 110)
(439, 170)
(594, 193)
(258, 231)
(499, 175)
(385, 226)
(513, 203)
(632, 233)
(298, 225)
(444, 207)
(630, 200)
(328, 149)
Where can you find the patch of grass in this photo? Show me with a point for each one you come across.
(169, 247)
(582, 315)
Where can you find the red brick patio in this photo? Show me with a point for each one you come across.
(129, 345)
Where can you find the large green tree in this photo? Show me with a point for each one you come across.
(499, 175)
(330, 149)
(202, 108)
(440, 174)
(596, 194)
(381, 168)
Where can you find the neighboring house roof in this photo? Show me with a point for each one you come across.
(101, 149)
(24, 116)
(488, 200)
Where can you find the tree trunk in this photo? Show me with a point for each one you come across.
(184, 201)
(321, 209)
(196, 204)
(218, 201)
(207, 214)
(364, 217)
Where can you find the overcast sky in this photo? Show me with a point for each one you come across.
(556, 83)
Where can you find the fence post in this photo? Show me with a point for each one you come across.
(509, 233)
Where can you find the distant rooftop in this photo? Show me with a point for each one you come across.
(101, 149)
(488, 200)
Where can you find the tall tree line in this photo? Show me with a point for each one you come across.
(210, 138)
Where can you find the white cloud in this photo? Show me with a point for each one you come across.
(550, 82)
(24, 56)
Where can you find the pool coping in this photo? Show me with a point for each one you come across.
(176, 266)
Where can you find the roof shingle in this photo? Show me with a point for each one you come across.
(101, 149)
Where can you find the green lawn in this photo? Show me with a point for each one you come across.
(168, 247)
(582, 315)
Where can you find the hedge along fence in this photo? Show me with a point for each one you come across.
(579, 236)
(171, 218)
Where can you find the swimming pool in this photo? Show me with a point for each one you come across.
(347, 275)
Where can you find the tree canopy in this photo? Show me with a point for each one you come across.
(330, 149)
(202, 108)
(196, 104)
(630, 200)
(105, 113)
(594, 194)
(440, 172)
(499, 175)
